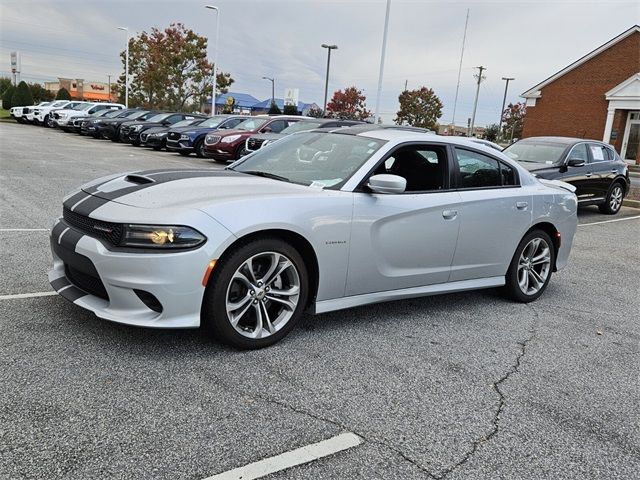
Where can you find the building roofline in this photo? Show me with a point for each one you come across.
(533, 92)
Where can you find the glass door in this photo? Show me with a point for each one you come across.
(631, 141)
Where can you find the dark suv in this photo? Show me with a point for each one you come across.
(130, 132)
(227, 146)
(189, 139)
(600, 176)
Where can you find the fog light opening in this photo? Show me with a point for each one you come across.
(149, 300)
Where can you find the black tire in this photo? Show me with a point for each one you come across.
(611, 207)
(512, 287)
(214, 318)
(199, 148)
(45, 122)
(184, 153)
(157, 149)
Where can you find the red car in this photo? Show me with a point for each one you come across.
(225, 146)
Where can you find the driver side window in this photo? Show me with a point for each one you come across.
(422, 166)
(579, 152)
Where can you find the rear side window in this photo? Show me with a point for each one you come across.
(600, 153)
(476, 170)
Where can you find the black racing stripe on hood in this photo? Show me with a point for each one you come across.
(90, 204)
(75, 198)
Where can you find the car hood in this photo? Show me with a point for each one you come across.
(192, 188)
(228, 133)
(533, 167)
(268, 136)
(70, 111)
(156, 129)
(195, 129)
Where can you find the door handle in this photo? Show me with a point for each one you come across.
(613, 170)
(522, 205)
(588, 174)
(449, 214)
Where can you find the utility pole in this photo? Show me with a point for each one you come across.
(109, 91)
(480, 77)
(405, 85)
(455, 101)
(215, 59)
(504, 100)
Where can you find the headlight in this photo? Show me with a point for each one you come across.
(230, 138)
(161, 236)
(184, 136)
(62, 115)
(136, 128)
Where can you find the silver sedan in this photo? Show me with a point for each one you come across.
(318, 221)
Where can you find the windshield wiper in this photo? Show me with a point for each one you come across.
(265, 175)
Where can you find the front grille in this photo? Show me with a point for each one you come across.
(25, 111)
(111, 232)
(90, 284)
(254, 143)
(173, 136)
(212, 139)
(56, 116)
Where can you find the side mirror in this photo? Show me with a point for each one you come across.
(575, 162)
(386, 183)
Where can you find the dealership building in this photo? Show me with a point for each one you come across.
(80, 89)
(596, 97)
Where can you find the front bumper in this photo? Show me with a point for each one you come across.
(105, 281)
(150, 141)
(179, 145)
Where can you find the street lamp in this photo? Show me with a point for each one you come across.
(326, 83)
(215, 59)
(504, 100)
(126, 69)
(382, 54)
(273, 88)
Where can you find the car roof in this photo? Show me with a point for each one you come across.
(561, 140)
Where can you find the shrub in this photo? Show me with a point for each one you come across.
(7, 97)
(274, 110)
(63, 94)
(290, 110)
(22, 96)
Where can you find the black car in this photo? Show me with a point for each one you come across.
(600, 176)
(76, 123)
(156, 137)
(131, 131)
(88, 125)
(110, 128)
(255, 142)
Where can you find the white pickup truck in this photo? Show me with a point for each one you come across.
(41, 112)
(20, 113)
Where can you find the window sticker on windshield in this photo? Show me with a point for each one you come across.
(549, 162)
(325, 183)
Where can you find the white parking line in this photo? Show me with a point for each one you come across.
(27, 295)
(290, 459)
(609, 221)
(24, 229)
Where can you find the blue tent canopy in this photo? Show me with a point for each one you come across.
(242, 100)
(266, 104)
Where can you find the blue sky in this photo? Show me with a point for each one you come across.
(277, 38)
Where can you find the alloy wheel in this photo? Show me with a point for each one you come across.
(263, 295)
(615, 199)
(534, 266)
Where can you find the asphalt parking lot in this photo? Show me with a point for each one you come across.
(457, 386)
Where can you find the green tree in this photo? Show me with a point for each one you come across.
(491, 132)
(419, 108)
(7, 97)
(169, 69)
(5, 82)
(63, 94)
(349, 105)
(290, 110)
(22, 95)
(513, 120)
(315, 112)
(40, 94)
(274, 109)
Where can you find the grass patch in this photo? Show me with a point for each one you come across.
(4, 113)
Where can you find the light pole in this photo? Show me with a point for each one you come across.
(273, 88)
(384, 49)
(326, 82)
(126, 69)
(215, 59)
(504, 100)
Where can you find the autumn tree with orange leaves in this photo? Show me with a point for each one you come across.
(348, 105)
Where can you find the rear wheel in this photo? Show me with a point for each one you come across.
(613, 202)
(530, 269)
(256, 295)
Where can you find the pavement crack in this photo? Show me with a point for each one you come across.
(495, 424)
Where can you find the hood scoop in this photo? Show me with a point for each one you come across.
(138, 179)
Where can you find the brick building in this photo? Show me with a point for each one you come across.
(79, 89)
(597, 96)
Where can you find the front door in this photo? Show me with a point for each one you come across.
(631, 140)
(408, 239)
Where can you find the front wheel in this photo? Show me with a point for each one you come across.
(613, 202)
(199, 149)
(530, 269)
(256, 295)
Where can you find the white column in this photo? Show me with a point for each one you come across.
(609, 125)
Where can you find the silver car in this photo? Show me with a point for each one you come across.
(319, 221)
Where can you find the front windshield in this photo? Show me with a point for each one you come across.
(112, 113)
(213, 122)
(300, 127)
(536, 152)
(59, 103)
(137, 114)
(323, 160)
(159, 117)
(83, 106)
(73, 105)
(251, 124)
(100, 113)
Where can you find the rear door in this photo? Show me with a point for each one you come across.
(603, 169)
(408, 239)
(495, 212)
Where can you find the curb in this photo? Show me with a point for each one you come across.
(631, 203)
